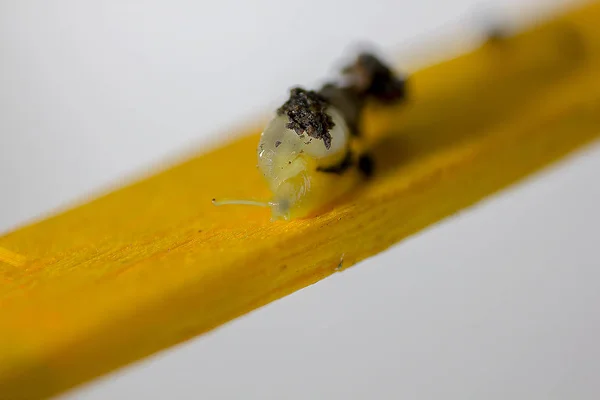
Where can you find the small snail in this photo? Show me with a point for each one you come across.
(308, 151)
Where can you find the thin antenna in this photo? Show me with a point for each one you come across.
(242, 202)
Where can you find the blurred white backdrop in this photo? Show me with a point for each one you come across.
(498, 302)
(91, 92)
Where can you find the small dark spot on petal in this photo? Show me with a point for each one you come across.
(277, 143)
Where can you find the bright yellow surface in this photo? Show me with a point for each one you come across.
(154, 263)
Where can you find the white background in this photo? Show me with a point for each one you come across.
(498, 302)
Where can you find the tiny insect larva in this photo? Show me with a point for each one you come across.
(308, 152)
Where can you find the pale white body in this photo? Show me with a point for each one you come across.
(289, 163)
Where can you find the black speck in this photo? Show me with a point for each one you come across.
(277, 143)
(366, 165)
(496, 34)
